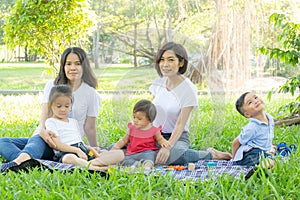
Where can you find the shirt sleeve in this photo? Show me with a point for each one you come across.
(247, 133)
(51, 126)
(47, 90)
(94, 104)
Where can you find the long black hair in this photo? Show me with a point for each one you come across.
(88, 76)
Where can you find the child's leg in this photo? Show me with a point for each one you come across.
(147, 164)
(108, 158)
(147, 158)
(268, 163)
(250, 158)
(73, 159)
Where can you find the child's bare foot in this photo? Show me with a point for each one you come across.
(102, 168)
(219, 155)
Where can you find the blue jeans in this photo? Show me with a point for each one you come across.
(181, 153)
(36, 147)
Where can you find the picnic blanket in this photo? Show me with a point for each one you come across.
(51, 166)
(202, 170)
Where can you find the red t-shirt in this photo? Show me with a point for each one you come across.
(141, 140)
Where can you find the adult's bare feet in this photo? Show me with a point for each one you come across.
(219, 155)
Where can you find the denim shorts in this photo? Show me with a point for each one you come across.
(59, 154)
(253, 157)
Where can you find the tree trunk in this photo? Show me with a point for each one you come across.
(134, 35)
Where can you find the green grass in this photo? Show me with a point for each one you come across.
(214, 124)
(33, 76)
(211, 125)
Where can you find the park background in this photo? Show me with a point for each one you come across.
(233, 46)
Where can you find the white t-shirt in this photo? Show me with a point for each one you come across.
(67, 132)
(170, 103)
(86, 103)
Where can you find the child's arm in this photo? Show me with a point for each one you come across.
(162, 141)
(67, 148)
(122, 142)
(235, 145)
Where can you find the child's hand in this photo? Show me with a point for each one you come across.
(81, 154)
(272, 150)
(167, 145)
(95, 151)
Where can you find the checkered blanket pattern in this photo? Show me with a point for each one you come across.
(56, 165)
(204, 172)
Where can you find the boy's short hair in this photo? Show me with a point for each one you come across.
(240, 102)
(146, 106)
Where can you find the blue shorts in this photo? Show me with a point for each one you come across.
(59, 154)
(253, 157)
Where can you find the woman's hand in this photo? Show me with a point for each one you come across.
(162, 156)
(48, 137)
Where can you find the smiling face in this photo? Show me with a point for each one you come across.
(61, 107)
(73, 68)
(253, 105)
(140, 120)
(169, 64)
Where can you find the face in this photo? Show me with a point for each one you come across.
(61, 107)
(169, 64)
(140, 120)
(253, 105)
(73, 67)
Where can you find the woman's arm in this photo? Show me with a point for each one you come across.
(122, 142)
(164, 153)
(46, 134)
(235, 145)
(180, 124)
(90, 131)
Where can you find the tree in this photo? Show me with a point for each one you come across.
(5, 6)
(289, 53)
(48, 27)
(155, 22)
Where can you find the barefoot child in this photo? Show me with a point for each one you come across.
(255, 140)
(70, 148)
(141, 137)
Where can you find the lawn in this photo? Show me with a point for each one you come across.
(214, 124)
(33, 76)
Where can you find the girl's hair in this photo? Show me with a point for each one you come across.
(88, 76)
(240, 102)
(58, 91)
(145, 106)
(180, 52)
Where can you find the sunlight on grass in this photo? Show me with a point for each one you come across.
(19, 116)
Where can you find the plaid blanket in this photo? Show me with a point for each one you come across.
(202, 171)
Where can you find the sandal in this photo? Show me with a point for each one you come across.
(282, 149)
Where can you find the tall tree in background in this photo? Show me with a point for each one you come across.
(48, 27)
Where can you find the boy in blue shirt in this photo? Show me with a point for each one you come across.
(255, 140)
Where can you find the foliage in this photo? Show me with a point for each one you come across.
(157, 22)
(5, 6)
(48, 27)
(21, 117)
(289, 53)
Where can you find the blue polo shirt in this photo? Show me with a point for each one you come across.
(256, 134)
